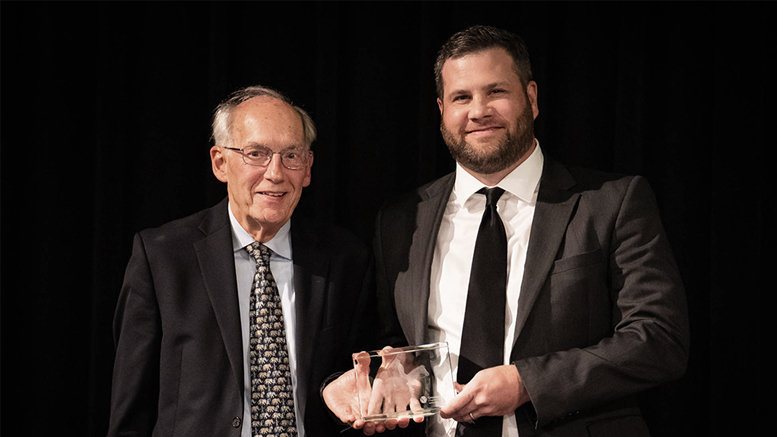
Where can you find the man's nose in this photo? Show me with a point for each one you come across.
(275, 168)
(479, 108)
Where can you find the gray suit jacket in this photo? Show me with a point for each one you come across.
(179, 358)
(601, 314)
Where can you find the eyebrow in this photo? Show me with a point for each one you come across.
(458, 92)
(294, 146)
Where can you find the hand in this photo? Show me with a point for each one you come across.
(342, 397)
(496, 391)
(397, 385)
(343, 394)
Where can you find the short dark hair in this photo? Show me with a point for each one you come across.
(478, 38)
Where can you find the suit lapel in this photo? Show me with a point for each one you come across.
(311, 269)
(412, 287)
(216, 258)
(217, 264)
(555, 204)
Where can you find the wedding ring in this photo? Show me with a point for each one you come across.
(471, 417)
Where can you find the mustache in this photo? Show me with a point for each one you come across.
(509, 150)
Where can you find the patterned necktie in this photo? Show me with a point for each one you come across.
(272, 399)
(483, 332)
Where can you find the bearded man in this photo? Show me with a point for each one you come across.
(554, 287)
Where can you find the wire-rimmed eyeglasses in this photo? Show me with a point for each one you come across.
(293, 158)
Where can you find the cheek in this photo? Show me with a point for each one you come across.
(245, 180)
(508, 110)
(454, 120)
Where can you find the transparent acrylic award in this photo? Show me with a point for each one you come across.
(402, 382)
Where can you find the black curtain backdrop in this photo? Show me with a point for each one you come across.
(105, 131)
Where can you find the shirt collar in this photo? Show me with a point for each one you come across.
(522, 182)
(280, 243)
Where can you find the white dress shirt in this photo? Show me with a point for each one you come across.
(453, 259)
(282, 268)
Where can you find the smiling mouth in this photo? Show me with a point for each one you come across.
(484, 130)
(271, 194)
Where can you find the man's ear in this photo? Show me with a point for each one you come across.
(306, 180)
(219, 163)
(439, 104)
(531, 93)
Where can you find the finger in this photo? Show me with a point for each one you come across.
(376, 398)
(463, 418)
(380, 427)
(357, 424)
(387, 357)
(415, 405)
(362, 367)
(397, 403)
(456, 406)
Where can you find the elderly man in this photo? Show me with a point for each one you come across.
(230, 319)
(555, 287)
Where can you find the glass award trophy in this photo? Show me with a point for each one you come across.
(402, 382)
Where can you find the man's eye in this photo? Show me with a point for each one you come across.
(256, 153)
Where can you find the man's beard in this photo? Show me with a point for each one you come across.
(508, 151)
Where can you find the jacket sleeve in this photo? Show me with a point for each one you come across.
(137, 337)
(390, 331)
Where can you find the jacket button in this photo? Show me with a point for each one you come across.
(236, 422)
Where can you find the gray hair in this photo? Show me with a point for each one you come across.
(222, 117)
(478, 38)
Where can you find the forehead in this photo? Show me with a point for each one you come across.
(477, 69)
(267, 121)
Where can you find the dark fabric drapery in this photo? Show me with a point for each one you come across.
(105, 131)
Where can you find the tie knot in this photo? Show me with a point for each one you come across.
(492, 194)
(259, 252)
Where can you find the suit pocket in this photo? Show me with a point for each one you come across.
(577, 290)
(577, 261)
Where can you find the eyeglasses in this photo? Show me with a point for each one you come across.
(292, 159)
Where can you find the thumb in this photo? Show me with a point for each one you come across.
(459, 401)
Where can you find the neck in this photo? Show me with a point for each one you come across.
(262, 235)
(261, 232)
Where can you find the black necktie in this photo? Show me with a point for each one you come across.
(483, 332)
(272, 396)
